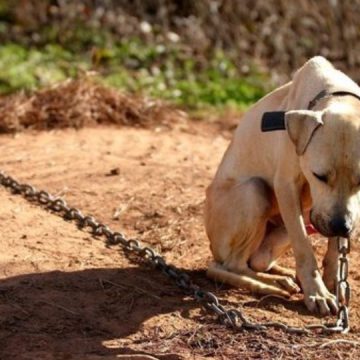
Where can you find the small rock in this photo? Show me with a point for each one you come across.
(113, 172)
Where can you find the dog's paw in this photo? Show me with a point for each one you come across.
(318, 298)
(323, 303)
(288, 283)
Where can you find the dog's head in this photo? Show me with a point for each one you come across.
(328, 144)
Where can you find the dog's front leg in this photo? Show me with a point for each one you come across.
(316, 295)
(331, 265)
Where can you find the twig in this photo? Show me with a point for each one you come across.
(60, 307)
(339, 341)
(131, 304)
(132, 286)
(272, 296)
(20, 308)
(328, 343)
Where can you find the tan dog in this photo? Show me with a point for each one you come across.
(269, 184)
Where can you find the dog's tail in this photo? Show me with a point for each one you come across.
(218, 273)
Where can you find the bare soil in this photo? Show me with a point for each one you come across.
(65, 295)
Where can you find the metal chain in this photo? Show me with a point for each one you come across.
(343, 287)
(232, 317)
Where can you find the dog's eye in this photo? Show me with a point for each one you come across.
(322, 178)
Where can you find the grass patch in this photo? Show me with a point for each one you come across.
(155, 70)
(29, 69)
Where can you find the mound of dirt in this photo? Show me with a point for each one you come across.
(82, 102)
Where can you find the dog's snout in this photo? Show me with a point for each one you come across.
(341, 226)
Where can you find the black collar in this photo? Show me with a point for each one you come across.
(275, 120)
(324, 94)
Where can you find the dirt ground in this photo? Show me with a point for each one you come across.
(65, 295)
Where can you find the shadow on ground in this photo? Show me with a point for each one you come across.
(73, 313)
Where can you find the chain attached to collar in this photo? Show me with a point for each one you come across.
(233, 318)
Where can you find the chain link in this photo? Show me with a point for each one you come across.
(233, 318)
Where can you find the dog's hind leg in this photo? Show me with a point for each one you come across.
(275, 243)
(247, 279)
(236, 218)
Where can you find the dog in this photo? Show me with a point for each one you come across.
(294, 160)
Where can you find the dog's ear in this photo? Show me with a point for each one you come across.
(301, 125)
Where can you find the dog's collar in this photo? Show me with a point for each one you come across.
(324, 94)
(275, 120)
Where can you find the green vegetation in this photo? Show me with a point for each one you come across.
(44, 42)
(156, 70)
(21, 68)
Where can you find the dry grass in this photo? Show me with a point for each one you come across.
(81, 102)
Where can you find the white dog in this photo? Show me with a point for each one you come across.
(271, 184)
